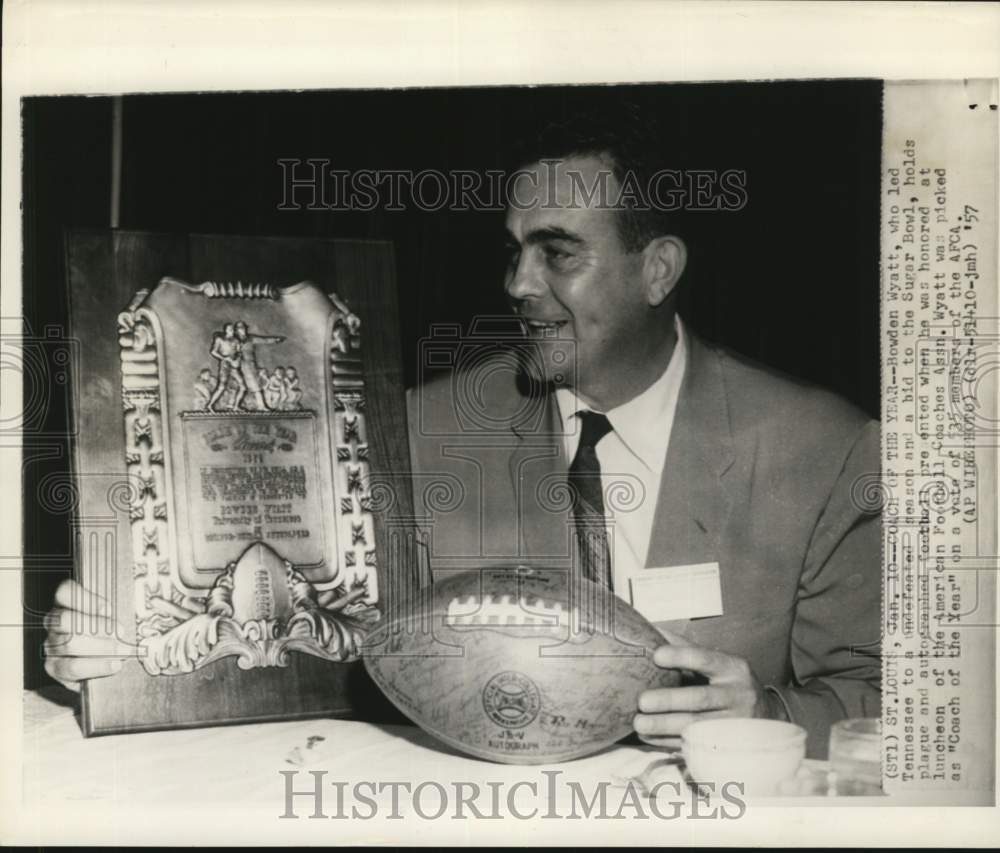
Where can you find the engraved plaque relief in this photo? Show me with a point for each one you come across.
(245, 441)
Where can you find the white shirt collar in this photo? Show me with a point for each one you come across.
(643, 423)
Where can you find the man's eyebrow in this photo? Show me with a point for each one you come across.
(550, 232)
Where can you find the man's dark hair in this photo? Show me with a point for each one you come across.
(626, 136)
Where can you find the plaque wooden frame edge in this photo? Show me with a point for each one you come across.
(366, 691)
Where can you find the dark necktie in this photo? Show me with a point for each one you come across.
(588, 503)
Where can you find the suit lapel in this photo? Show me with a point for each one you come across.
(693, 502)
(538, 469)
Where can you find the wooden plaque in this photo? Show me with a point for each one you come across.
(243, 471)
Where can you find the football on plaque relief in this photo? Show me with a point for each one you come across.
(520, 665)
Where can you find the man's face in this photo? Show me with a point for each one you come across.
(568, 276)
(241, 331)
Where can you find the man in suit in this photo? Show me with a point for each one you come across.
(728, 493)
(723, 495)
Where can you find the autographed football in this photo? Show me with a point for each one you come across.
(520, 666)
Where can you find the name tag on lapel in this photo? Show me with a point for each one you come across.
(677, 592)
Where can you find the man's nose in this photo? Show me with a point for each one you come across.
(524, 281)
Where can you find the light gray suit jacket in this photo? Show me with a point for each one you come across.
(764, 475)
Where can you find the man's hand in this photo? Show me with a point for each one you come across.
(732, 691)
(83, 637)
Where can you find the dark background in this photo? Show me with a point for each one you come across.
(791, 279)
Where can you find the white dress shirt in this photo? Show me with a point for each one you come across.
(632, 457)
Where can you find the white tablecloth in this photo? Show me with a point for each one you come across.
(228, 784)
(242, 763)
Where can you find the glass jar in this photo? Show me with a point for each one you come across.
(856, 757)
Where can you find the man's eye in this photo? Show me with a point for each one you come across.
(512, 254)
(556, 255)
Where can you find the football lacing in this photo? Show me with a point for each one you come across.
(473, 610)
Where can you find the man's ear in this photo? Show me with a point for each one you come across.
(664, 259)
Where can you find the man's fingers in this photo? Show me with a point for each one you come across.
(667, 725)
(698, 659)
(702, 697)
(74, 596)
(87, 646)
(83, 639)
(70, 671)
(668, 742)
(61, 621)
(661, 725)
(733, 690)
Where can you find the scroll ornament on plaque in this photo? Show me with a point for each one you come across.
(247, 455)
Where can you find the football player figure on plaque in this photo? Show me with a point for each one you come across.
(247, 458)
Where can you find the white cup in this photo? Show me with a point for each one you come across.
(759, 753)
